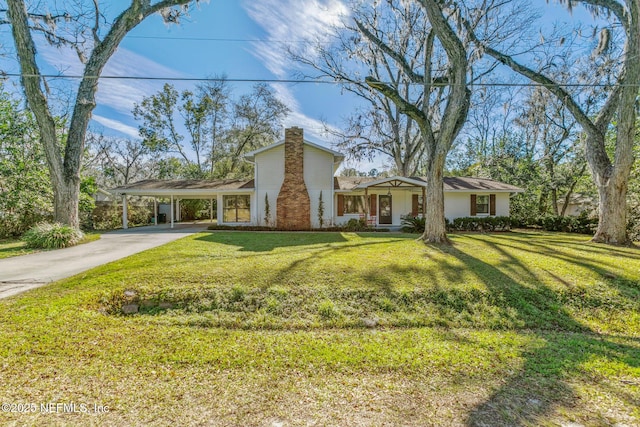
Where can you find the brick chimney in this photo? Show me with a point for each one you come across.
(293, 204)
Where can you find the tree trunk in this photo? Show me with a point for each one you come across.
(65, 171)
(435, 230)
(612, 210)
(542, 201)
(66, 195)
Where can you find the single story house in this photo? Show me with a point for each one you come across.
(294, 185)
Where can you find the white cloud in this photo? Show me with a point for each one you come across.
(293, 21)
(127, 130)
(119, 94)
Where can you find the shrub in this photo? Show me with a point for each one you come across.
(487, 223)
(413, 224)
(108, 215)
(355, 225)
(52, 236)
(583, 223)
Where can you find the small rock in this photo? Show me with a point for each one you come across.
(147, 303)
(370, 323)
(165, 305)
(130, 294)
(130, 308)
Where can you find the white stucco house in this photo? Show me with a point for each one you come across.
(291, 176)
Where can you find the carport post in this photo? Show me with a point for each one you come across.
(171, 211)
(155, 210)
(211, 209)
(178, 216)
(125, 222)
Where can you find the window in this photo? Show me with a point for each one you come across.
(482, 204)
(353, 204)
(237, 208)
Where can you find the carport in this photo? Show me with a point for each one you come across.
(180, 189)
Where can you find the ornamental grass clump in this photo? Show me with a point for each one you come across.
(52, 236)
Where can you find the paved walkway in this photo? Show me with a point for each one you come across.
(21, 273)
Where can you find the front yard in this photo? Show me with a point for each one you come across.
(10, 247)
(239, 328)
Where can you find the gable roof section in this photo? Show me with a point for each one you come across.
(337, 157)
(184, 187)
(395, 181)
(451, 184)
(460, 183)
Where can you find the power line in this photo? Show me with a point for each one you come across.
(221, 39)
(301, 81)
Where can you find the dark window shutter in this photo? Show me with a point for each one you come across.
(373, 205)
(414, 205)
(340, 204)
(474, 206)
(492, 204)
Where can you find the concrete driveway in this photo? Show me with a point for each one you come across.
(21, 273)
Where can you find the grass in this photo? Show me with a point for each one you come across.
(16, 247)
(242, 328)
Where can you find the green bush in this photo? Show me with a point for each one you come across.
(355, 225)
(486, 223)
(108, 216)
(583, 223)
(413, 224)
(52, 236)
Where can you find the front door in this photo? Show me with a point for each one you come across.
(384, 207)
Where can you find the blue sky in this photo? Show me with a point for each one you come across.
(252, 33)
(239, 39)
(252, 50)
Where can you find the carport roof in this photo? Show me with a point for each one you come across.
(184, 187)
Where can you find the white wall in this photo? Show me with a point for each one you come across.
(457, 205)
(269, 177)
(318, 176)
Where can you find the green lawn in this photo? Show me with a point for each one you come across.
(16, 247)
(243, 328)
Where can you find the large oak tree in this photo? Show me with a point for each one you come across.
(412, 62)
(94, 44)
(617, 113)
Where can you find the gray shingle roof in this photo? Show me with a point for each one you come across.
(450, 183)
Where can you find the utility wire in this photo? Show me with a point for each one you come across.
(297, 81)
(222, 39)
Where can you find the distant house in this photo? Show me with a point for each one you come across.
(291, 175)
(102, 195)
(577, 204)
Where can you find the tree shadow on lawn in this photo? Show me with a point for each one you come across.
(543, 382)
(605, 269)
(268, 241)
(570, 240)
